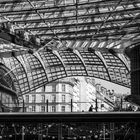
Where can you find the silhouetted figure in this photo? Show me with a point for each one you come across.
(91, 108)
(2, 109)
(138, 109)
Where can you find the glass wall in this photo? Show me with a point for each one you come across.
(8, 102)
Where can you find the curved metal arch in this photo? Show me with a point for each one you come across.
(19, 90)
(102, 60)
(78, 54)
(35, 71)
(119, 56)
(115, 77)
(57, 54)
(74, 65)
(46, 79)
(15, 68)
(7, 63)
(53, 65)
(104, 63)
(8, 84)
(39, 59)
(128, 69)
(7, 77)
(23, 70)
(123, 61)
(53, 61)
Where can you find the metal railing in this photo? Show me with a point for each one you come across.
(70, 126)
(72, 106)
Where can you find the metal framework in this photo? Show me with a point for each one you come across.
(33, 70)
(108, 21)
(83, 37)
(70, 125)
(102, 21)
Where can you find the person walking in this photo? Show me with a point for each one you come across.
(90, 108)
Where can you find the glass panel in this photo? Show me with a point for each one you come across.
(63, 108)
(63, 87)
(42, 108)
(94, 65)
(117, 70)
(54, 67)
(63, 98)
(34, 69)
(43, 98)
(53, 98)
(33, 98)
(27, 98)
(33, 108)
(53, 109)
(73, 64)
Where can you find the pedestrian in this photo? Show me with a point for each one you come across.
(91, 108)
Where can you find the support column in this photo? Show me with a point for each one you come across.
(71, 105)
(96, 104)
(137, 131)
(112, 131)
(47, 105)
(133, 53)
(59, 131)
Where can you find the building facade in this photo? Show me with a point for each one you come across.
(70, 95)
(54, 97)
(93, 93)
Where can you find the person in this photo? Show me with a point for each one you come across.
(138, 109)
(91, 108)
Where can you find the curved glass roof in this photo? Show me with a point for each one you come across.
(33, 70)
(67, 38)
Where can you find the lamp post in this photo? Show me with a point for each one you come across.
(96, 104)
(23, 106)
(121, 103)
(47, 103)
(97, 86)
(71, 105)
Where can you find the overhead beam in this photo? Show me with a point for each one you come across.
(63, 26)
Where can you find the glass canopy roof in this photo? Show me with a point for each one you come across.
(35, 69)
(78, 38)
